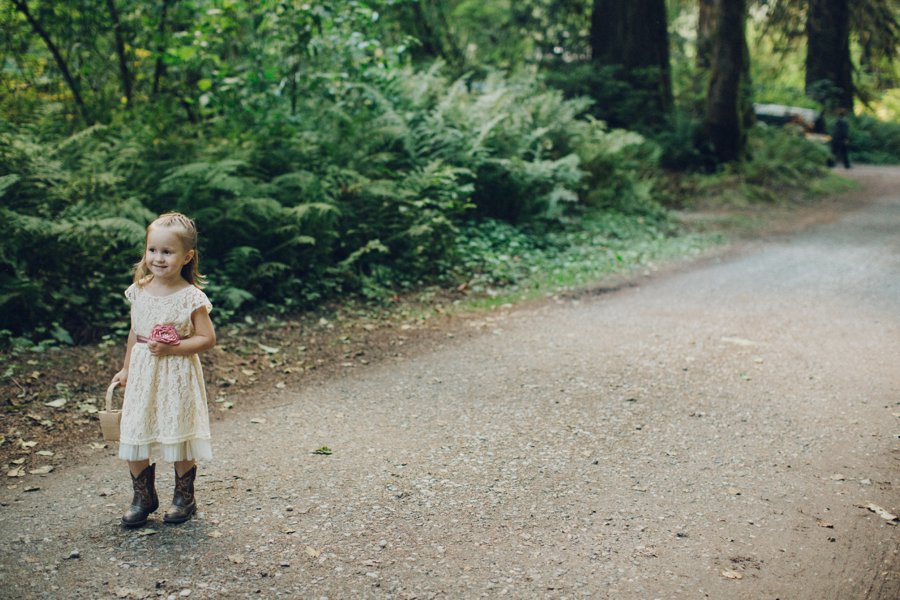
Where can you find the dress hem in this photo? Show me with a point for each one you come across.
(192, 449)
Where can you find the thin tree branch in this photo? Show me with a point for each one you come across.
(120, 51)
(22, 7)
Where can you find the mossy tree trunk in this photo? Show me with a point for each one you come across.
(828, 65)
(634, 34)
(726, 110)
(706, 28)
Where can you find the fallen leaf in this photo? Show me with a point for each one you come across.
(248, 372)
(42, 470)
(18, 461)
(32, 488)
(58, 403)
(310, 551)
(324, 450)
(146, 532)
(98, 446)
(268, 349)
(729, 574)
(734, 491)
(215, 534)
(258, 420)
(825, 524)
(288, 530)
(236, 558)
(837, 477)
(280, 385)
(25, 444)
(17, 472)
(887, 516)
(44, 453)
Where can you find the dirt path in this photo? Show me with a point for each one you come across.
(715, 432)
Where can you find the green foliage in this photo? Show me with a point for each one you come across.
(621, 97)
(316, 159)
(363, 187)
(873, 141)
(505, 262)
(782, 159)
(65, 235)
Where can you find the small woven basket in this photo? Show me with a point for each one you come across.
(110, 417)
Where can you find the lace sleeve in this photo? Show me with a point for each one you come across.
(198, 299)
(131, 293)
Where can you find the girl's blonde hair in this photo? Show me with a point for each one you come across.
(186, 231)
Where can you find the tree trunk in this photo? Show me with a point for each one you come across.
(725, 110)
(706, 29)
(22, 7)
(634, 34)
(828, 66)
(160, 68)
(120, 51)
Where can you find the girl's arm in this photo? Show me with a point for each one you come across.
(122, 376)
(204, 338)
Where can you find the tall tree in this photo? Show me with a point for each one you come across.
(634, 34)
(725, 103)
(829, 69)
(706, 22)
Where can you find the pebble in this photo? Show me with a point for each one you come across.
(74, 554)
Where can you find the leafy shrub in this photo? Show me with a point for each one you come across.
(361, 186)
(65, 235)
(780, 157)
(623, 98)
(873, 141)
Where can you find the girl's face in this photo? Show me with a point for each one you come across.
(166, 254)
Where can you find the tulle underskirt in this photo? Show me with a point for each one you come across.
(193, 449)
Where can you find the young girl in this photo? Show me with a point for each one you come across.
(165, 395)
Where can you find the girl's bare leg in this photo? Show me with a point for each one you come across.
(183, 466)
(137, 466)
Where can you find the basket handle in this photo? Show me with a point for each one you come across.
(109, 395)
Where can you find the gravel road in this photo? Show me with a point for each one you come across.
(726, 429)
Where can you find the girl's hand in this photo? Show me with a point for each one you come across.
(159, 349)
(121, 377)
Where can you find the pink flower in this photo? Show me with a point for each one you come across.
(165, 334)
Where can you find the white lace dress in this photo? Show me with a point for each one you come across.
(165, 398)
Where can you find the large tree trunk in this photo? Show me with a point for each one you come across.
(828, 66)
(726, 99)
(634, 34)
(706, 30)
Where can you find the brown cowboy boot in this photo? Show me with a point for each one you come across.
(144, 501)
(183, 505)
